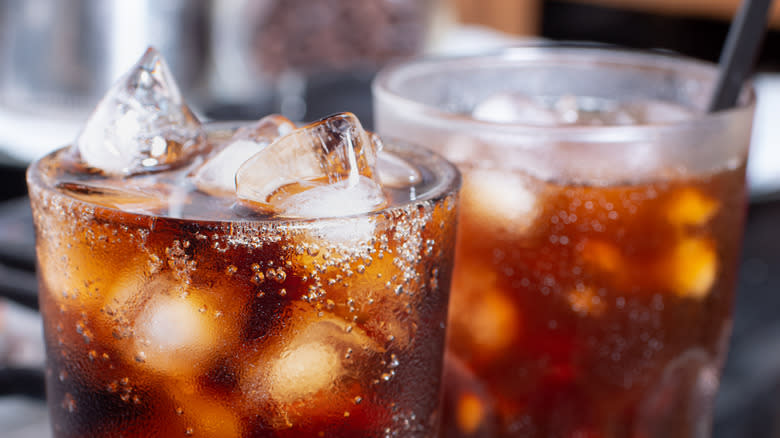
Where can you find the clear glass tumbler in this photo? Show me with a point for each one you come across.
(598, 240)
(170, 312)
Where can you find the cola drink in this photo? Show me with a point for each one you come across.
(198, 280)
(598, 240)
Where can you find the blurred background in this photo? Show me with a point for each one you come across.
(242, 59)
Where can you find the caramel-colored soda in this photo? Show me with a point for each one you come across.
(172, 313)
(591, 311)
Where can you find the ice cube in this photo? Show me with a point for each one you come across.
(659, 112)
(501, 197)
(136, 196)
(334, 160)
(343, 198)
(175, 327)
(217, 176)
(199, 415)
(692, 267)
(691, 207)
(515, 108)
(604, 256)
(484, 320)
(317, 368)
(141, 124)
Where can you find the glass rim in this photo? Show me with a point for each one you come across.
(563, 53)
(450, 184)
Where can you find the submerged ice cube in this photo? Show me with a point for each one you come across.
(141, 124)
(163, 324)
(324, 169)
(218, 175)
(316, 368)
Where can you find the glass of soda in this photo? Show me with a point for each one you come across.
(267, 281)
(601, 217)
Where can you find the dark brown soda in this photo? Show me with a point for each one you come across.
(591, 311)
(242, 325)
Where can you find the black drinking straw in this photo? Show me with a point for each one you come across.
(739, 52)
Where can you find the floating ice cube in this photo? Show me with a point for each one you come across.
(141, 124)
(691, 207)
(343, 198)
(659, 112)
(692, 268)
(218, 175)
(334, 159)
(515, 108)
(576, 110)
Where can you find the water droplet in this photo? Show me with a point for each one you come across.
(348, 329)
(140, 357)
(360, 269)
(69, 403)
(329, 304)
(358, 399)
(258, 278)
(394, 361)
(179, 410)
(92, 355)
(189, 431)
(112, 386)
(283, 292)
(231, 270)
(125, 397)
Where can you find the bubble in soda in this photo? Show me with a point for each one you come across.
(141, 124)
